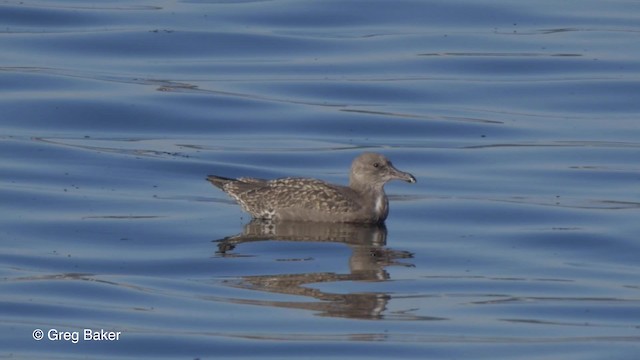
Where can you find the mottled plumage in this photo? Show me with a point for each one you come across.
(303, 199)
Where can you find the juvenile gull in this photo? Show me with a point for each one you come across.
(303, 199)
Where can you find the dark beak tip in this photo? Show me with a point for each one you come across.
(410, 179)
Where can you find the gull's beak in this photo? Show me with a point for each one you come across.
(401, 175)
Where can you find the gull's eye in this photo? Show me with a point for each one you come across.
(375, 165)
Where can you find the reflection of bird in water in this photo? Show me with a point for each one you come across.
(301, 199)
(367, 263)
(352, 234)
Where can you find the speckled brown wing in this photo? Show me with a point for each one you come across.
(310, 194)
(267, 199)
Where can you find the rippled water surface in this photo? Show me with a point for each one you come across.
(519, 120)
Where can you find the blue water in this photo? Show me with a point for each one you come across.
(519, 120)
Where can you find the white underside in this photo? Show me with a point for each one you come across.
(379, 205)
